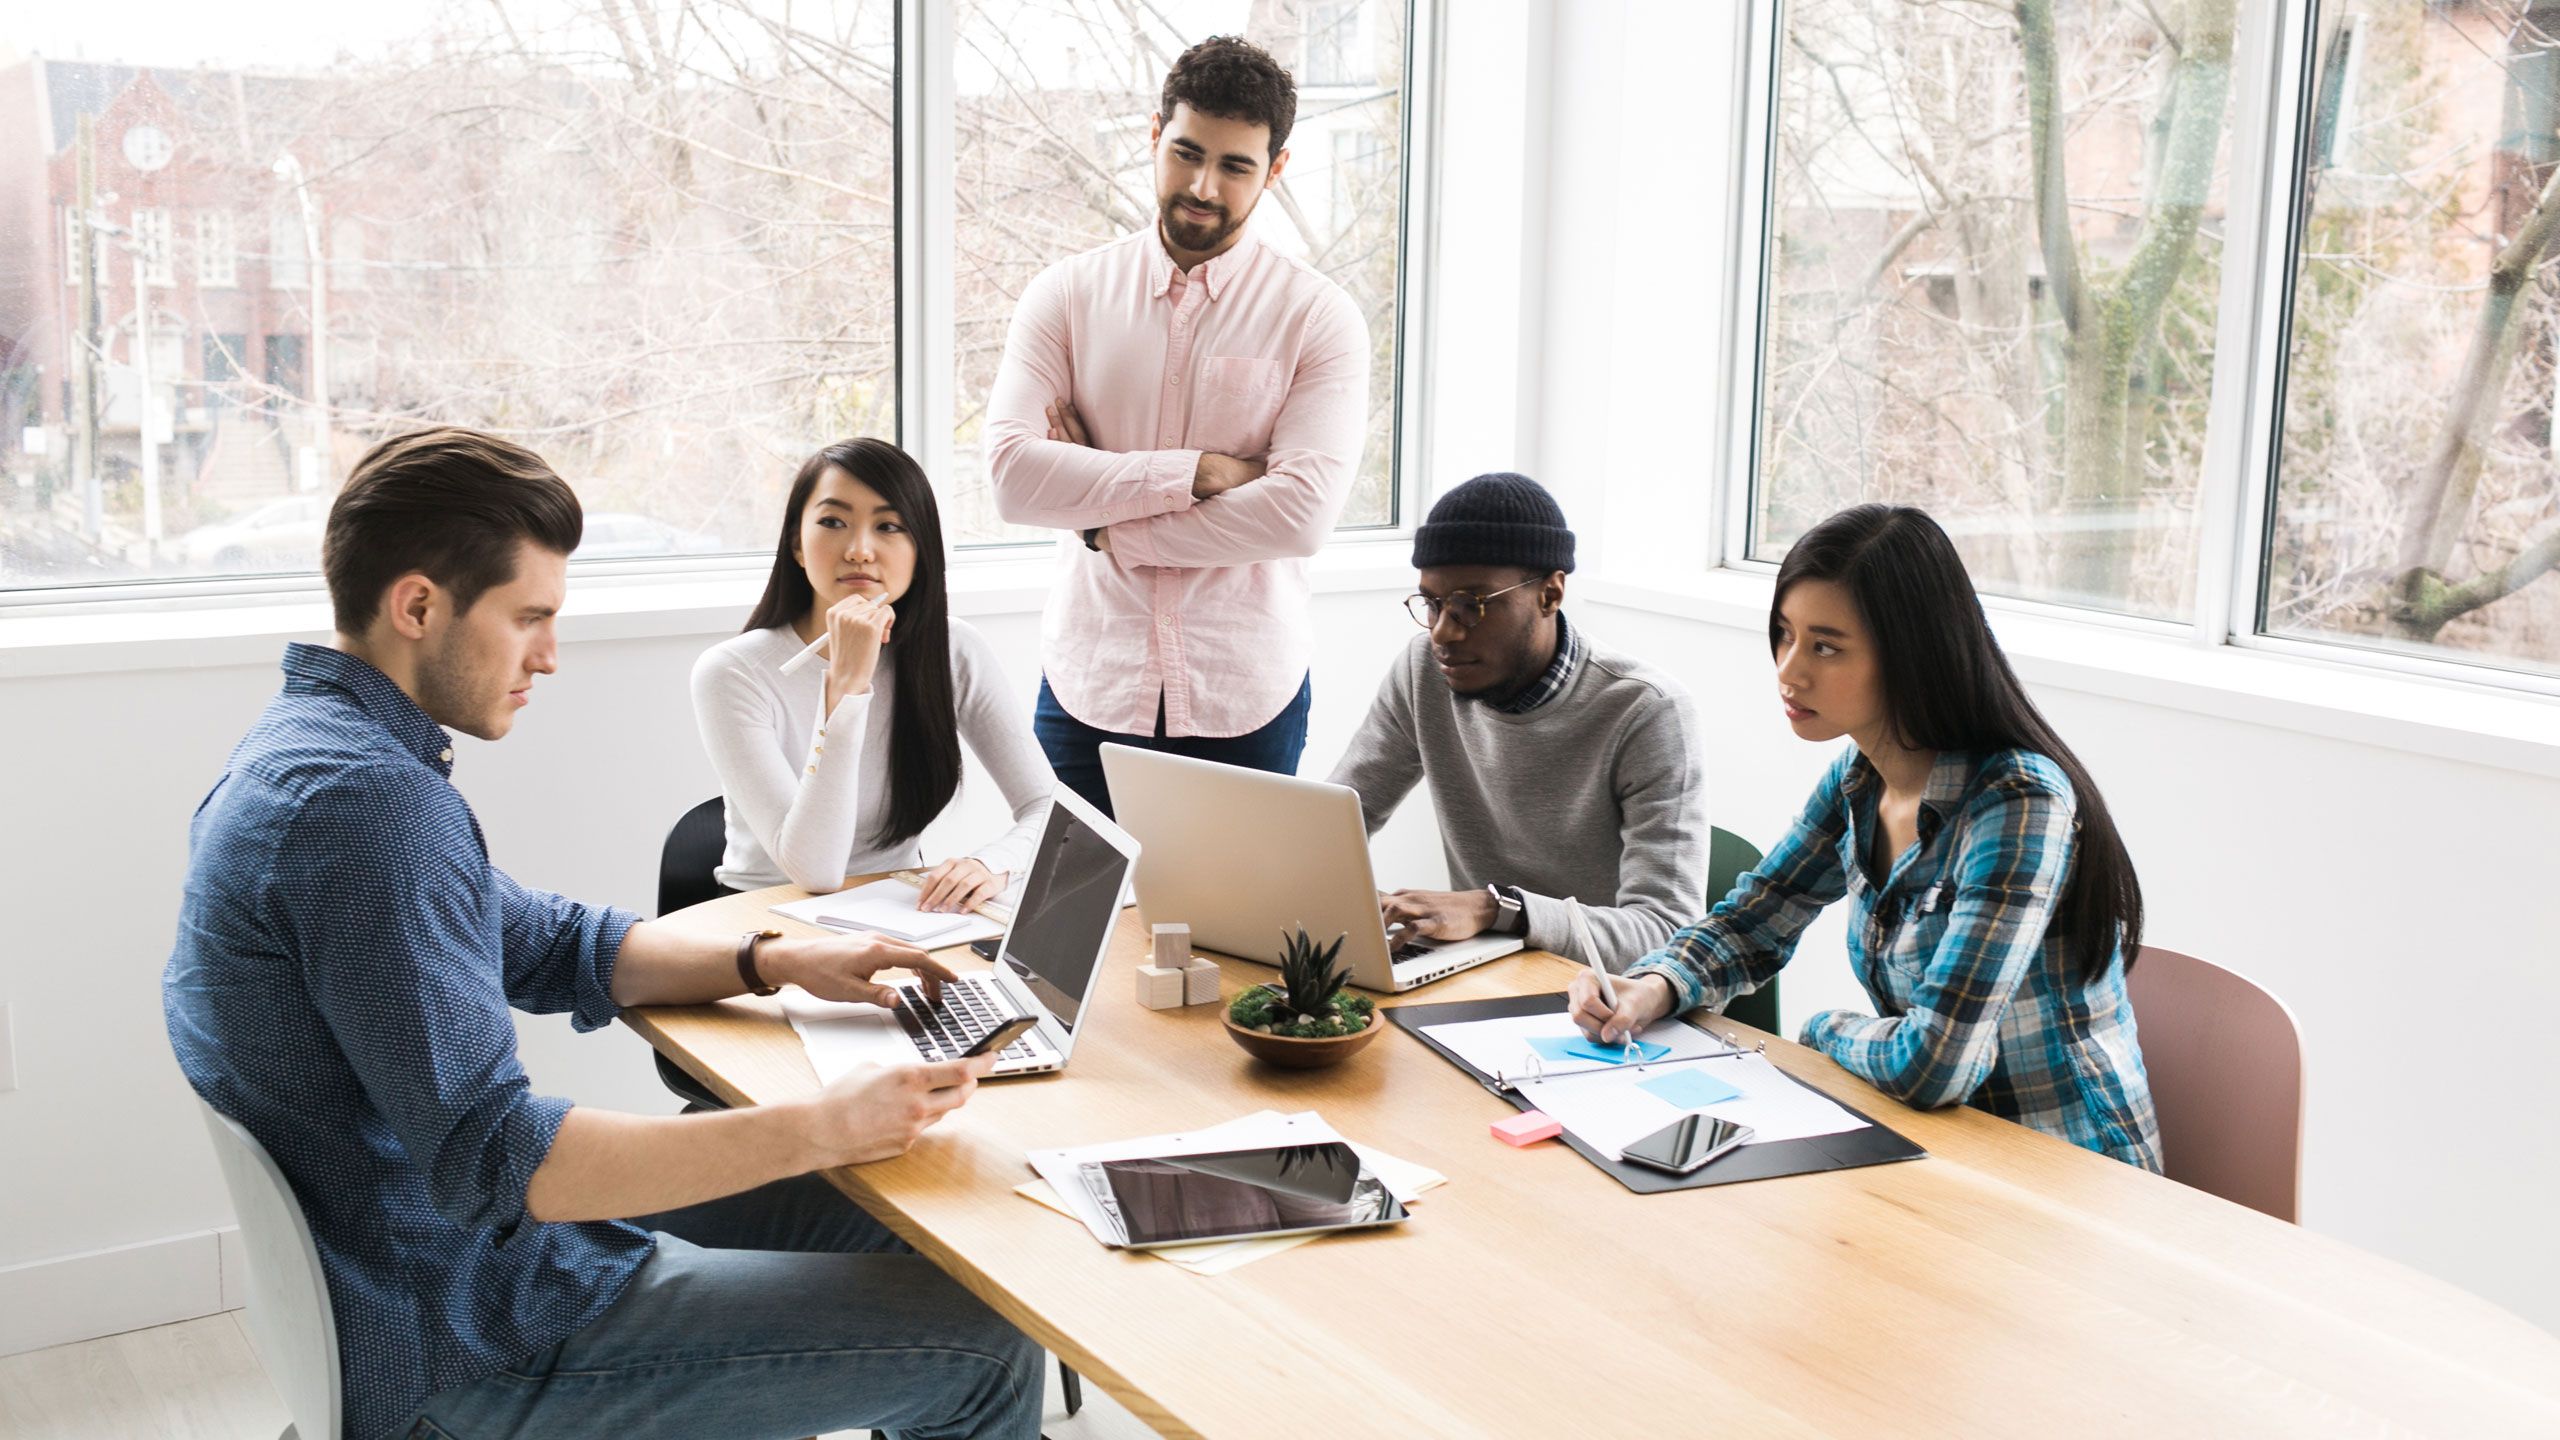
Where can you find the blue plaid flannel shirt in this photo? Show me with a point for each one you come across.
(1974, 1002)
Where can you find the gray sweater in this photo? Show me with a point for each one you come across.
(1596, 795)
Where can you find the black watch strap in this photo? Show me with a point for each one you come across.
(747, 973)
(1089, 540)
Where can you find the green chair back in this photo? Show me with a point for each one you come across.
(1729, 858)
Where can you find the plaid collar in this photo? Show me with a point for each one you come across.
(1551, 682)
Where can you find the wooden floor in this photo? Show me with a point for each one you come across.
(199, 1380)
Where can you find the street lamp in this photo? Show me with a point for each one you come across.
(289, 170)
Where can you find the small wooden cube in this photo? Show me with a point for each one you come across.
(1199, 981)
(1160, 988)
(1173, 947)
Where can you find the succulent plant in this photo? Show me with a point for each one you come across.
(1308, 976)
(1309, 1003)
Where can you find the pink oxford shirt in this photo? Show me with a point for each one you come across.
(1203, 602)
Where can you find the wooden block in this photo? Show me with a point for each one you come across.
(1199, 981)
(1173, 946)
(1159, 988)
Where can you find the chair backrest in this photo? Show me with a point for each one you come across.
(2225, 1061)
(1729, 858)
(290, 1322)
(692, 852)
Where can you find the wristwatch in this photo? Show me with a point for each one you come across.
(1090, 543)
(1510, 911)
(747, 961)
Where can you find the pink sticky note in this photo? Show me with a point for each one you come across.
(1526, 1128)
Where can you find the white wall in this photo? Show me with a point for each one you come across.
(2401, 903)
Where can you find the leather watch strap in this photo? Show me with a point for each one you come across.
(747, 974)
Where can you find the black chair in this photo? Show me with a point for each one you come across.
(685, 863)
(685, 866)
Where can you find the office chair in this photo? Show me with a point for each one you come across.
(2225, 1061)
(289, 1319)
(1729, 858)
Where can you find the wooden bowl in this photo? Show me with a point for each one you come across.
(1293, 1053)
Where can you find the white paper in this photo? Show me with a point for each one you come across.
(1261, 1129)
(1501, 1047)
(1609, 1112)
(888, 907)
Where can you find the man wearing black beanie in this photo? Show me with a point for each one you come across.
(1571, 804)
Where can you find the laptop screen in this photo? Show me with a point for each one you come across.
(1069, 902)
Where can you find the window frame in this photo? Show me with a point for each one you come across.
(2272, 88)
(922, 136)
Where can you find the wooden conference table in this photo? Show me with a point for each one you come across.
(2010, 1284)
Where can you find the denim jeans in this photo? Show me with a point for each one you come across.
(782, 1312)
(1075, 748)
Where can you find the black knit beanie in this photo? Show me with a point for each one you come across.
(1496, 519)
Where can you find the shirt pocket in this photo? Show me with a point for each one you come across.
(1237, 402)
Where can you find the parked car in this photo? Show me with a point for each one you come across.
(279, 535)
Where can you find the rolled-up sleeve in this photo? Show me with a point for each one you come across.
(402, 930)
(560, 952)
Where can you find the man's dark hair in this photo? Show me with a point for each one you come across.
(449, 504)
(1233, 79)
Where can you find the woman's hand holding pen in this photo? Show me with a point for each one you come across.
(857, 626)
(1642, 999)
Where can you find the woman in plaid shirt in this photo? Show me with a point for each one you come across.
(1992, 905)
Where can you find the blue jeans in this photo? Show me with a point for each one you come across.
(1075, 748)
(782, 1312)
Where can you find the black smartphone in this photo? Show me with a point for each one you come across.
(1001, 1036)
(988, 948)
(1687, 1143)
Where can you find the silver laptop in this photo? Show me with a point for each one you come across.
(1045, 969)
(1242, 855)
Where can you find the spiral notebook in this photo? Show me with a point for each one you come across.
(1587, 1091)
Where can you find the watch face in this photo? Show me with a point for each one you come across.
(146, 147)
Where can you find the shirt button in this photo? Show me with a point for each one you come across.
(445, 755)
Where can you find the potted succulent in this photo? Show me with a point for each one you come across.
(1308, 1020)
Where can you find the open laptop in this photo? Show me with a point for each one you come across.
(1242, 855)
(1045, 969)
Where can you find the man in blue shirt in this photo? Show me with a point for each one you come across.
(499, 1262)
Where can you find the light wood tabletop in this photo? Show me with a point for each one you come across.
(2009, 1284)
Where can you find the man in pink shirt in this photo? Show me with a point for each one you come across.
(1190, 403)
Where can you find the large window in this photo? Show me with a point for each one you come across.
(2418, 499)
(658, 242)
(1995, 259)
(1053, 102)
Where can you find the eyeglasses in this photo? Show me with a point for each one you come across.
(1468, 610)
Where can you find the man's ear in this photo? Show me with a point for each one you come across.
(409, 604)
(1551, 594)
(1279, 163)
(1155, 132)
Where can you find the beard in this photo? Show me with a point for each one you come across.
(1189, 235)
(454, 693)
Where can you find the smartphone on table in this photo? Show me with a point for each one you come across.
(1686, 1144)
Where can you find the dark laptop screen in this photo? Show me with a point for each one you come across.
(1069, 902)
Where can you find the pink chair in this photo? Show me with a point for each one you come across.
(2225, 1060)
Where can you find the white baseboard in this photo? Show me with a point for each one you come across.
(132, 1287)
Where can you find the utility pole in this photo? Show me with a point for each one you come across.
(145, 430)
(84, 347)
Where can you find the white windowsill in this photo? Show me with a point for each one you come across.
(2342, 700)
(200, 631)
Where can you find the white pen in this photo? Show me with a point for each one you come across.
(1591, 956)
(800, 662)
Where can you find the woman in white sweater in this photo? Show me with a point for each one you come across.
(835, 770)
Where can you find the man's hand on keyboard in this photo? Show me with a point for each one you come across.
(840, 967)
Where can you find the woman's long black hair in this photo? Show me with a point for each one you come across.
(924, 724)
(1947, 686)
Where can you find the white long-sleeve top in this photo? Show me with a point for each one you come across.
(807, 794)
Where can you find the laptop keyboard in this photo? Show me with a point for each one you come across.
(970, 1008)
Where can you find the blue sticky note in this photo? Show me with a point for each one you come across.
(1690, 1089)
(1551, 1047)
(1581, 1049)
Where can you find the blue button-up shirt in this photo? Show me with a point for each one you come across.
(1976, 1001)
(346, 957)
